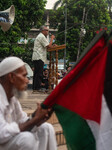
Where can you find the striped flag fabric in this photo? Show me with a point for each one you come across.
(82, 101)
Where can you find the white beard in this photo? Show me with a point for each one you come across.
(20, 94)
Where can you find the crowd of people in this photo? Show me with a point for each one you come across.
(45, 79)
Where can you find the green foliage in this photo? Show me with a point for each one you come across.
(28, 14)
(96, 16)
(109, 3)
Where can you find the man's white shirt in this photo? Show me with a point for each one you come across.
(40, 51)
(11, 115)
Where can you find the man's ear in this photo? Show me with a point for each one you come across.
(11, 77)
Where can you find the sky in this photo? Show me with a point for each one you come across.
(50, 4)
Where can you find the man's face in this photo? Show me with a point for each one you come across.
(45, 31)
(20, 80)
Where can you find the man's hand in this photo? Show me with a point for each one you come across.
(52, 37)
(54, 45)
(38, 117)
(42, 114)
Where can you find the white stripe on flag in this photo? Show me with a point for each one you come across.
(103, 132)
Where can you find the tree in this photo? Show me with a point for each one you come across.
(92, 22)
(59, 3)
(28, 14)
(109, 2)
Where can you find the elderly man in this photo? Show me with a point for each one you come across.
(39, 56)
(17, 131)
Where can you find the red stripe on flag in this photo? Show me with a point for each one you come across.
(83, 95)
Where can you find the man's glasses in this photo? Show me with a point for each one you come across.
(46, 30)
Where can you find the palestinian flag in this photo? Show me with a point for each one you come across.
(83, 99)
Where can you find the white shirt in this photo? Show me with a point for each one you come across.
(40, 50)
(11, 115)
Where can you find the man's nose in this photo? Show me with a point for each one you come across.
(27, 80)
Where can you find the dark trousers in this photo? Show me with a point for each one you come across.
(38, 74)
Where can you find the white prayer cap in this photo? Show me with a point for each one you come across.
(10, 64)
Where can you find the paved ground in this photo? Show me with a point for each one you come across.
(29, 104)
